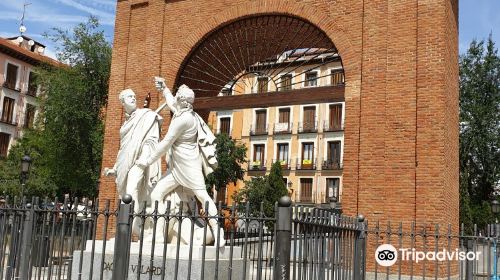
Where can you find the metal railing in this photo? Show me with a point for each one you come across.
(331, 165)
(258, 130)
(70, 240)
(305, 164)
(308, 127)
(285, 164)
(282, 128)
(331, 127)
(257, 165)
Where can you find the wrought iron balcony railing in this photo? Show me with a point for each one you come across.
(282, 128)
(308, 127)
(329, 127)
(331, 165)
(257, 165)
(258, 130)
(285, 164)
(10, 85)
(305, 164)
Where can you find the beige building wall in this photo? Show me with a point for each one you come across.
(242, 122)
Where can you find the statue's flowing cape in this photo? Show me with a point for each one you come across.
(206, 141)
(142, 129)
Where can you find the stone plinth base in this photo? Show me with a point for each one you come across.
(211, 266)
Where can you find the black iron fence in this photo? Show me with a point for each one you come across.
(74, 240)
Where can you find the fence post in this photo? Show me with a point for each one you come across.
(283, 239)
(122, 240)
(360, 250)
(26, 243)
(469, 264)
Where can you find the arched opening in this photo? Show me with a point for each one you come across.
(275, 82)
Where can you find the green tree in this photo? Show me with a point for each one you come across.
(479, 131)
(66, 146)
(265, 189)
(230, 157)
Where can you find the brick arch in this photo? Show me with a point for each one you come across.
(321, 20)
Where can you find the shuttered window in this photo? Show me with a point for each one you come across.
(306, 189)
(286, 82)
(334, 152)
(4, 144)
(260, 121)
(262, 84)
(335, 117)
(284, 115)
(225, 125)
(337, 77)
(11, 78)
(29, 117)
(8, 110)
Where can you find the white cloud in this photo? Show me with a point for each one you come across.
(104, 17)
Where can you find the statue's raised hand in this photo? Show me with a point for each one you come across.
(160, 83)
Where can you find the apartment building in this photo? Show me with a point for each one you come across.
(306, 139)
(18, 93)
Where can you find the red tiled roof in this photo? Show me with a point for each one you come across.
(25, 55)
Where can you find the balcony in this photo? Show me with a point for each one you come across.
(328, 127)
(285, 164)
(305, 164)
(11, 86)
(282, 128)
(7, 121)
(331, 165)
(257, 165)
(305, 199)
(308, 127)
(258, 130)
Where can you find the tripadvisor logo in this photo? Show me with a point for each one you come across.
(387, 255)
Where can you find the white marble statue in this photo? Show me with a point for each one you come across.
(139, 136)
(190, 149)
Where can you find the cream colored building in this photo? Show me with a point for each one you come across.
(18, 93)
(307, 139)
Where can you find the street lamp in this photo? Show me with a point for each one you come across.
(495, 208)
(25, 169)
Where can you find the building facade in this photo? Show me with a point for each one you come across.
(18, 92)
(307, 140)
(400, 97)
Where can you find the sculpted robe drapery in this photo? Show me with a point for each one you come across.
(140, 131)
(190, 149)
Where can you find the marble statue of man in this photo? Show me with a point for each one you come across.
(189, 145)
(139, 136)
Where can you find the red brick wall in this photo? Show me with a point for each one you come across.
(401, 66)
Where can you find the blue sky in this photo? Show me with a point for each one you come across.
(477, 18)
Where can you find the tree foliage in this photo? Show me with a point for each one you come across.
(230, 157)
(265, 190)
(67, 143)
(479, 131)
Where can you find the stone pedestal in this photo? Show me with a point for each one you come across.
(222, 266)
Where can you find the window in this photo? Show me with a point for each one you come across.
(260, 121)
(333, 153)
(335, 117)
(4, 144)
(11, 78)
(332, 188)
(306, 189)
(221, 196)
(262, 84)
(32, 87)
(284, 115)
(29, 117)
(8, 110)
(307, 153)
(225, 125)
(258, 155)
(283, 125)
(282, 149)
(311, 79)
(337, 77)
(309, 118)
(286, 82)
